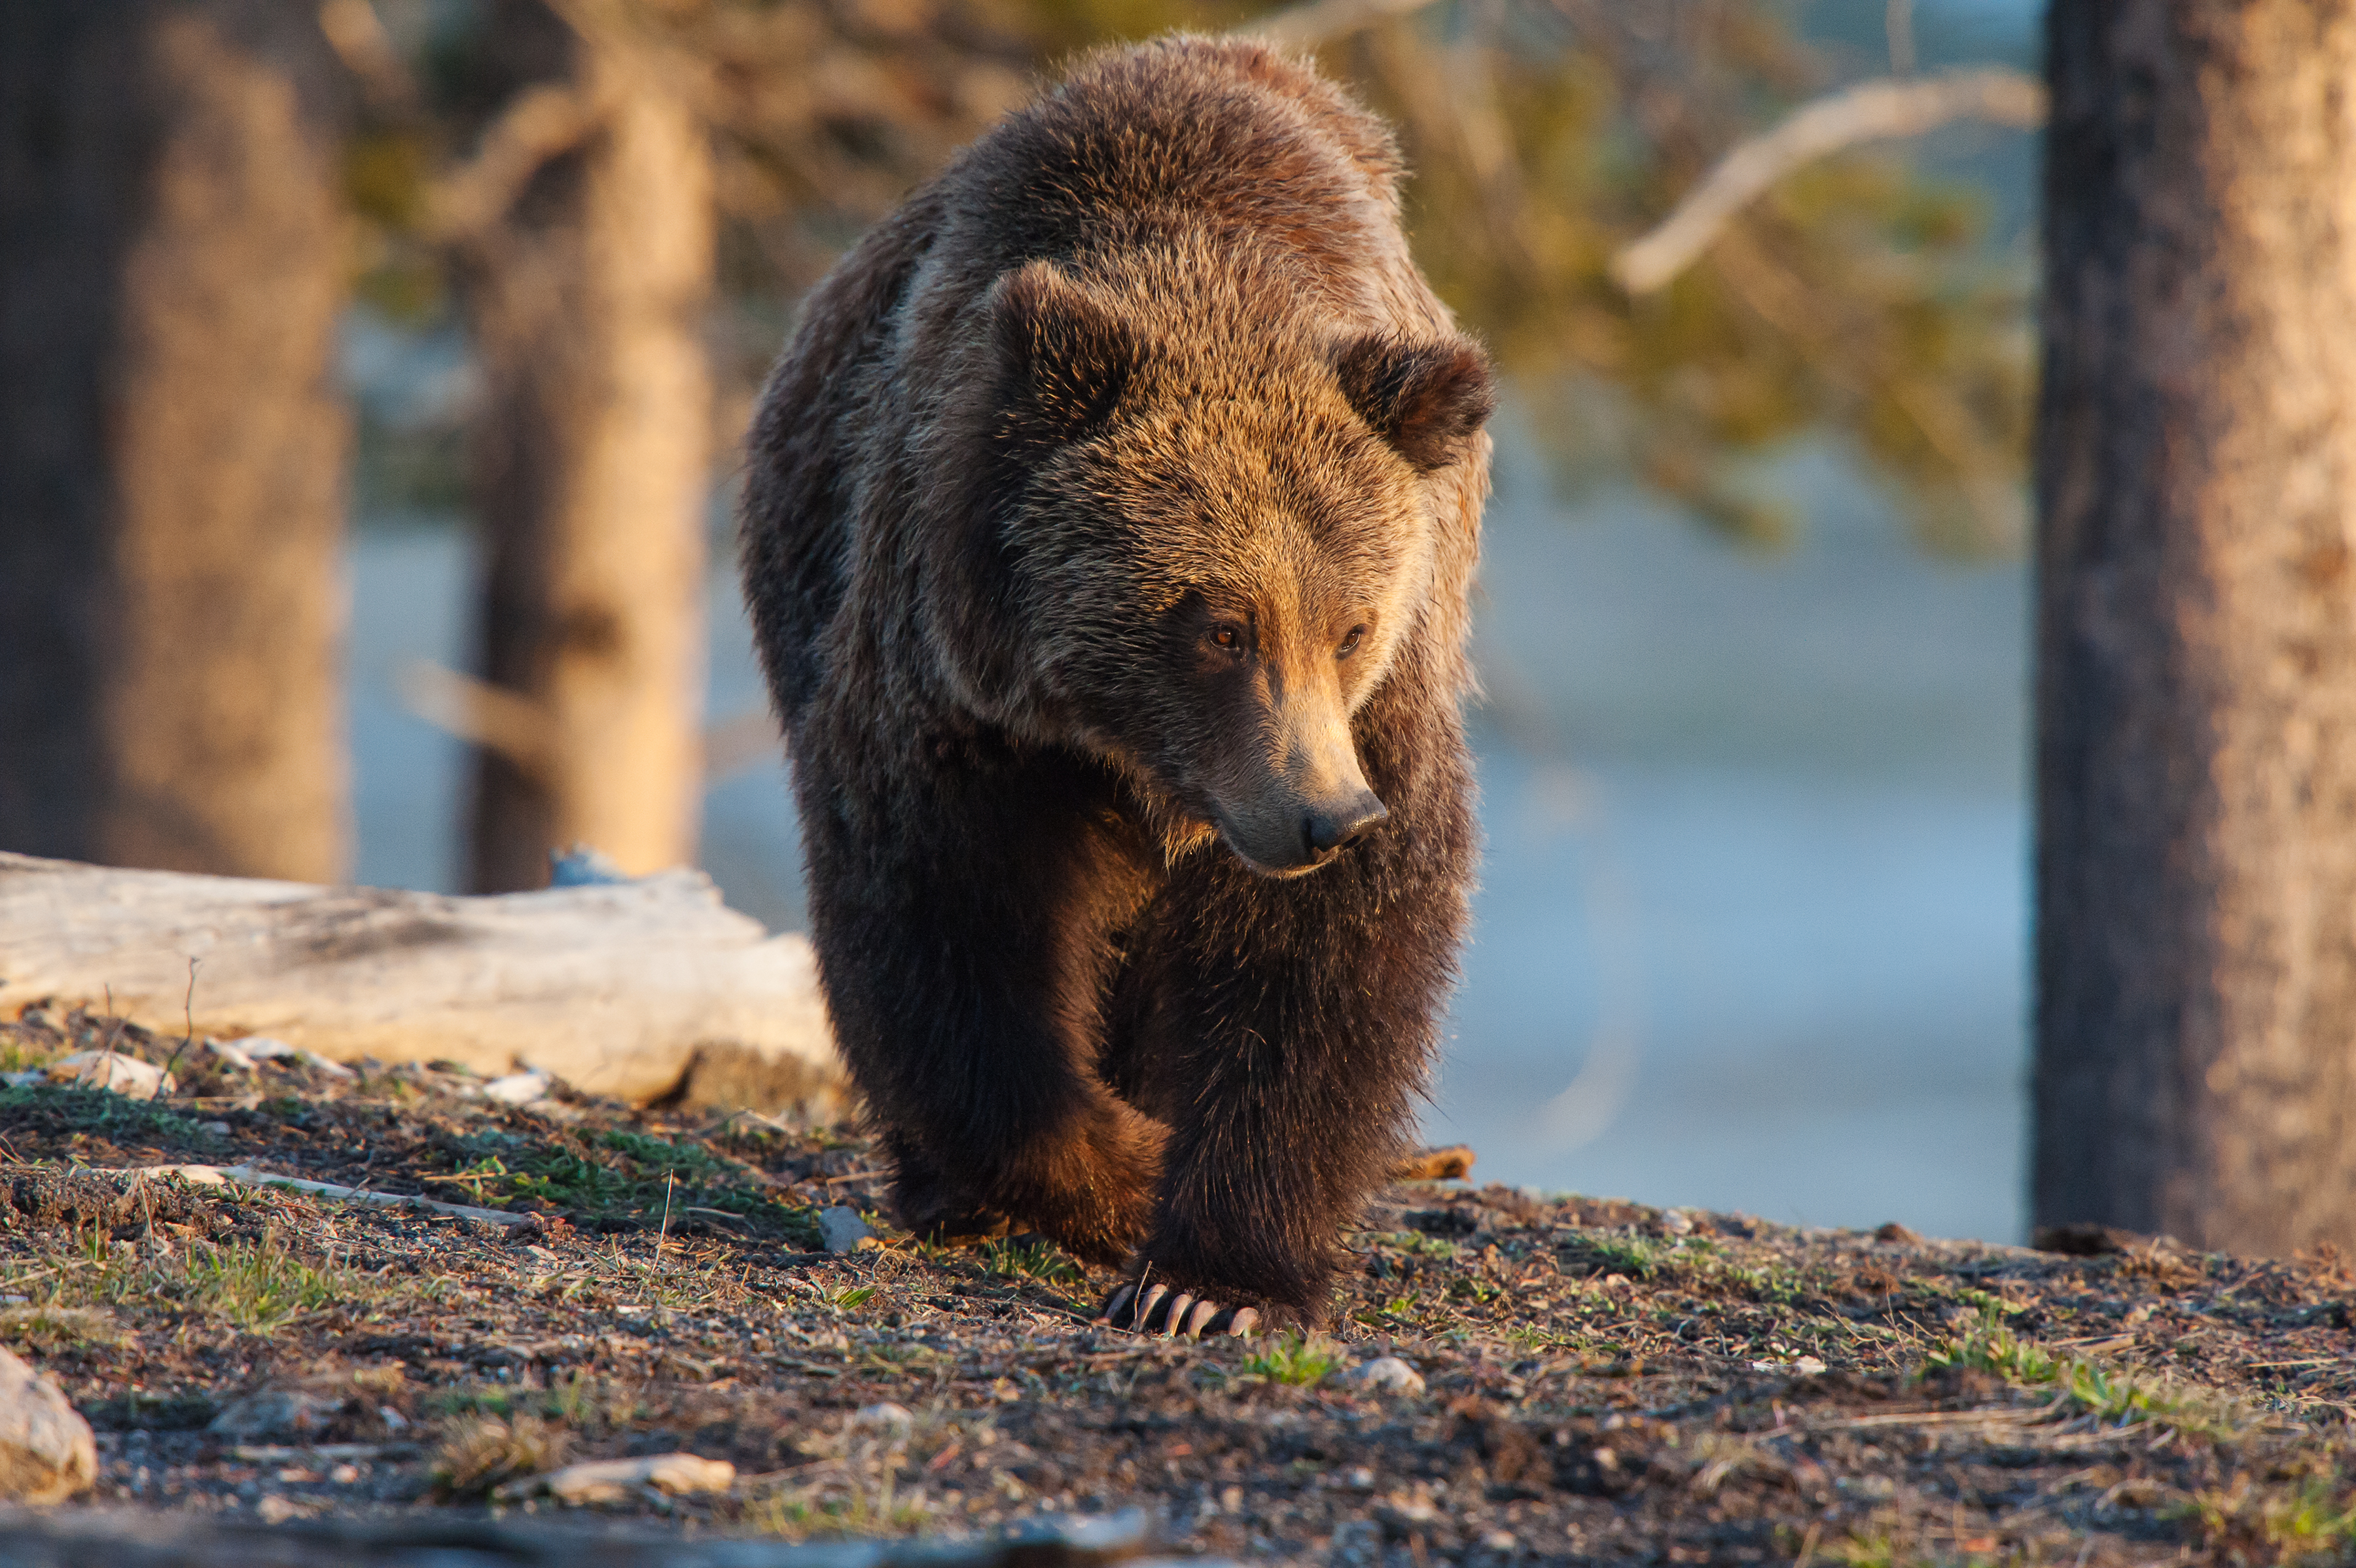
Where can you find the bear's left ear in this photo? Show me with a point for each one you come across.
(1425, 399)
(1064, 355)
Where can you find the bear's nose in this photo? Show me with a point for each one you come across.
(1329, 828)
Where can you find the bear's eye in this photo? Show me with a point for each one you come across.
(1226, 638)
(1350, 644)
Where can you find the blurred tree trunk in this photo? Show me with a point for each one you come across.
(588, 302)
(172, 265)
(2196, 863)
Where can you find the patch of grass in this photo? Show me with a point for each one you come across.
(852, 1511)
(1989, 1347)
(114, 1116)
(59, 1327)
(2085, 1388)
(1298, 1359)
(481, 1452)
(2301, 1524)
(258, 1284)
(626, 1175)
(1416, 1244)
(1039, 1262)
(1633, 1256)
(261, 1286)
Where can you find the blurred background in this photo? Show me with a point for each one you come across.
(367, 518)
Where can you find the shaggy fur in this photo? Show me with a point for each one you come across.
(1120, 495)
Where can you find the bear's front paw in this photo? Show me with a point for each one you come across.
(1158, 1309)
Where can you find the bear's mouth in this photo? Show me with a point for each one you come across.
(1275, 873)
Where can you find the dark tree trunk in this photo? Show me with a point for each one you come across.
(587, 303)
(172, 265)
(2196, 863)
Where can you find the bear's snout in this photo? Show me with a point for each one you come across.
(1339, 825)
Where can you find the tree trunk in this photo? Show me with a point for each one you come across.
(172, 265)
(2195, 861)
(588, 304)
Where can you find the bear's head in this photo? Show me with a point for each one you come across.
(1220, 534)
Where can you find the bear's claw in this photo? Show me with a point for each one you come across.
(1156, 1309)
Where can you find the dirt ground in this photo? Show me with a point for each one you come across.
(1510, 1378)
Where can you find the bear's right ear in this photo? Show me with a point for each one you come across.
(1064, 355)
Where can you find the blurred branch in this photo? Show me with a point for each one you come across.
(476, 711)
(543, 122)
(360, 40)
(1321, 21)
(499, 720)
(1872, 111)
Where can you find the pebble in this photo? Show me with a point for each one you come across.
(47, 1453)
(893, 1419)
(126, 1076)
(516, 1088)
(844, 1232)
(1385, 1374)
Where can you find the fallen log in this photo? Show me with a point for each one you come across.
(640, 990)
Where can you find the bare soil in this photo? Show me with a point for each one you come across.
(1594, 1380)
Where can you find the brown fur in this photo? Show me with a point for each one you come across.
(1119, 493)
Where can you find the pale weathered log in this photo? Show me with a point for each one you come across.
(616, 988)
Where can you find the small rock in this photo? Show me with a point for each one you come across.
(126, 1076)
(1808, 1367)
(1360, 1479)
(1676, 1221)
(1500, 1540)
(195, 1175)
(47, 1453)
(892, 1420)
(262, 1048)
(233, 1053)
(1385, 1374)
(277, 1412)
(582, 866)
(275, 1509)
(842, 1231)
(27, 1079)
(516, 1088)
(613, 1480)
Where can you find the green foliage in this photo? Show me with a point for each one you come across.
(1856, 298)
(2085, 1388)
(1989, 1347)
(1633, 1256)
(1298, 1359)
(1036, 1261)
(117, 1117)
(622, 1173)
(2311, 1521)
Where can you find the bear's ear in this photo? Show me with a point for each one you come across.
(1425, 399)
(1064, 355)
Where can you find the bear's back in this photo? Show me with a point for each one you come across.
(1182, 134)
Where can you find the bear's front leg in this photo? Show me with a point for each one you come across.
(1281, 1028)
(963, 895)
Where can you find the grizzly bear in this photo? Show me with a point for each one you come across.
(1107, 531)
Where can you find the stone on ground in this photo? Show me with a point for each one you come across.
(47, 1454)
